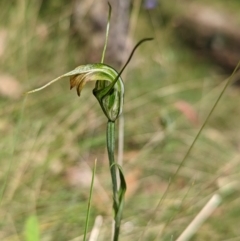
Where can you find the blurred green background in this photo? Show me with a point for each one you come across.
(50, 139)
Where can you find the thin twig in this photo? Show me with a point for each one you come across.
(202, 216)
(96, 228)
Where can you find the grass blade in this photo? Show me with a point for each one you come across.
(89, 202)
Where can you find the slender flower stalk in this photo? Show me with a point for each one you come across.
(111, 148)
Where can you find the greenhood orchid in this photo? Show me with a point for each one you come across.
(109, 88)
(109, 91)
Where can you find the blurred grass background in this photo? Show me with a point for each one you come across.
(50, 139)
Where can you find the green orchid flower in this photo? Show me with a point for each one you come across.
(109, 89)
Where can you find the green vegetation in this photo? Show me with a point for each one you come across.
(49, 141)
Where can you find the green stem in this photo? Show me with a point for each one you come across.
(111, 148)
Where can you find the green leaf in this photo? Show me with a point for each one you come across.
(121, 193)
(31, 229)
(119, 204)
